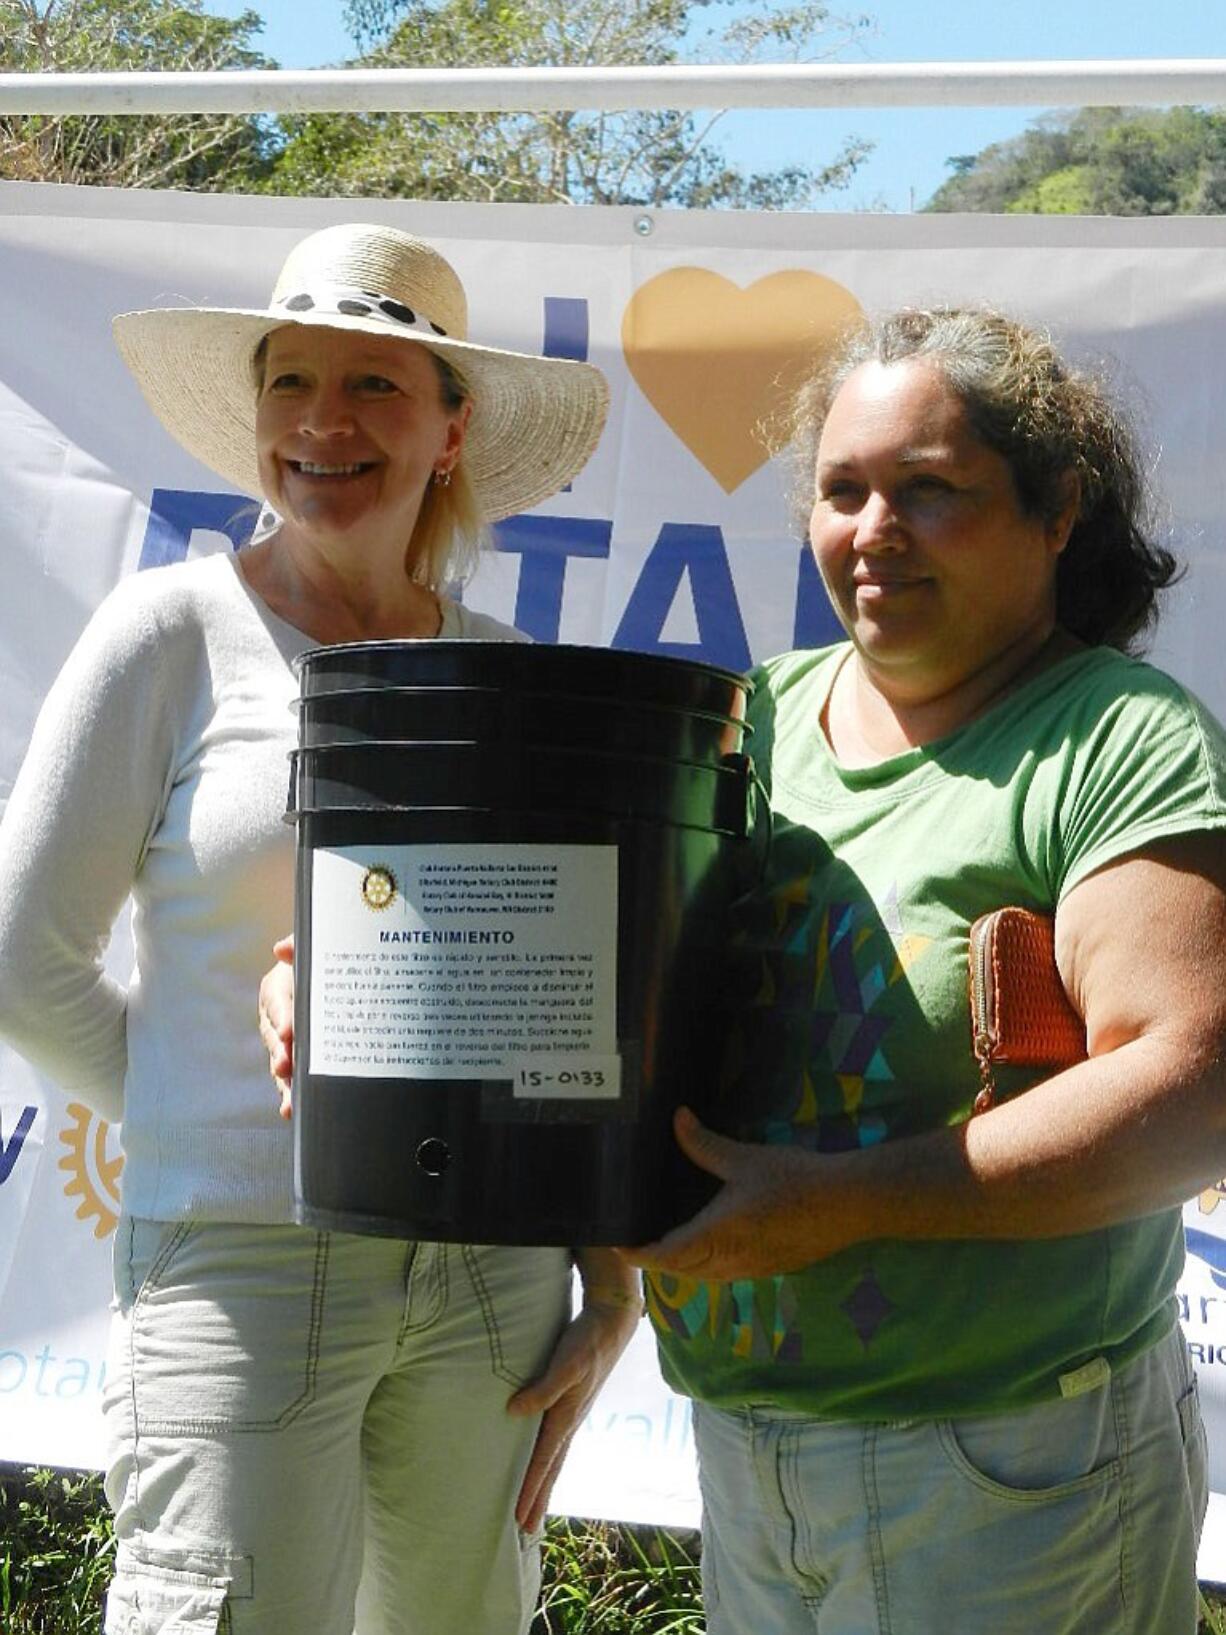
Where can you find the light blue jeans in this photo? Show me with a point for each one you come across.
(1078, 1517)
(303, 1423)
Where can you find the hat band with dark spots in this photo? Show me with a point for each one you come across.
(358, 303)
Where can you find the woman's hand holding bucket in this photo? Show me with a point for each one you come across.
(277, 1021)
(780, 1208)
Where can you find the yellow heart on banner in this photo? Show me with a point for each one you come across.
(715, 360)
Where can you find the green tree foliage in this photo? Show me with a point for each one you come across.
(1098, 162)
(652, 157)
(201, 151)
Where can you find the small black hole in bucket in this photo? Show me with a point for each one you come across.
(433, 1155)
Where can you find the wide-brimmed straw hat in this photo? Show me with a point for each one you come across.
(534, 420)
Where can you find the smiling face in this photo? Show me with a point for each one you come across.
(350, 429)
(932, 566)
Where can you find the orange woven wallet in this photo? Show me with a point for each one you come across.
(1020, 1013)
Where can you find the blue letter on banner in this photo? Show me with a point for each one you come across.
(176, 513)
(816, 624)
(12, 1152)
(544, 543)
(566, 335)
(696, 549)
(566, 328)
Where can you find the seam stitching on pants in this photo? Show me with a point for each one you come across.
(811, 1585)
(434, 1276)
(131, 1338)
(876, 1546)
(323, 1253)
(497, 1357)
(156, 1267)
(1123, 1443)
(406, 1276)
(706, 1555)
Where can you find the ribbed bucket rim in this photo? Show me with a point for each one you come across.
(293, 815)
(302, 661)
(302, 703)
(299, 750)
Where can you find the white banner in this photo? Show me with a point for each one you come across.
(676, 538)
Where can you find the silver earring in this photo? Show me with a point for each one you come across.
(443, 478)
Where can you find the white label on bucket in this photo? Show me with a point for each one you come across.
(462, 961)
(577, 1078)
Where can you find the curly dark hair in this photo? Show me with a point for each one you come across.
(1049, 422)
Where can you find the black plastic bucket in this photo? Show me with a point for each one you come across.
(514, 869)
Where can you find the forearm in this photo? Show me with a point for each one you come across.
(58, 1006)
(608, 1280)
(1113, 1139)
(1123, 1135)
(77, 1036)
(1138, 1127)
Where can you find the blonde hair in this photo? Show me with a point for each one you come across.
(449, 533)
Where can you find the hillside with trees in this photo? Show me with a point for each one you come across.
(197, 151)
(656, 157)
(1098, 162)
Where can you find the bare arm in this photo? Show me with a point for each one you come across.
(88, 798)
(1140, 1126)
(581, 1362)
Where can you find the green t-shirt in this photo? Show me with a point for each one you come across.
(851, 1026)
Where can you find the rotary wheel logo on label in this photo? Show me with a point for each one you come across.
(378, 887)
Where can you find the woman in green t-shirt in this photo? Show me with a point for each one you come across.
(938, 1374)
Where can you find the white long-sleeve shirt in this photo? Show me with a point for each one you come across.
(158, 767)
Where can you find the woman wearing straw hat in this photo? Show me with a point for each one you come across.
(300, 1422)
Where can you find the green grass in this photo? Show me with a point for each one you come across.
(618, 1581)
(55, 1552)
(599, 1579)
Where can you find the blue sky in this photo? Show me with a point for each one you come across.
(912, 144)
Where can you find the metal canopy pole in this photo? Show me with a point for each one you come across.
(1107, 83)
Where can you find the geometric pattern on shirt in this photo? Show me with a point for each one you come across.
(829, 970)
(756, 1314)
(814, 1028)
(867, 1306)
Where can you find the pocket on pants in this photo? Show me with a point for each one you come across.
(524, 1298)
(224, 1329)
(148, 1597)
(1044, 1453)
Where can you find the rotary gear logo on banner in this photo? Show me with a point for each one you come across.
(93, 1164)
